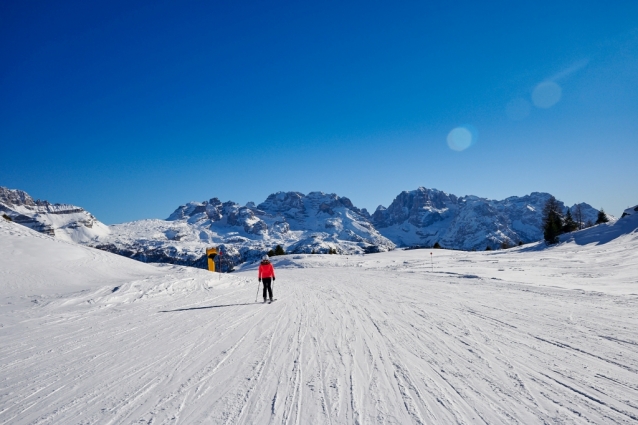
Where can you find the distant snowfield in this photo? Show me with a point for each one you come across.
(527, 335)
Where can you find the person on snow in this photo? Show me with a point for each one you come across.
(266, 275)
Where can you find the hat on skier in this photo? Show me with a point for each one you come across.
(265, 258)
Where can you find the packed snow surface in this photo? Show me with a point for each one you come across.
(529, 335)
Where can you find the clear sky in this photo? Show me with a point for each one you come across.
(131, 108)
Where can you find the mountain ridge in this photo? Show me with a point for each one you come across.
(427, 216)
(316, 222)
(65, 221)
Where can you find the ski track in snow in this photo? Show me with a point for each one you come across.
(348, 342)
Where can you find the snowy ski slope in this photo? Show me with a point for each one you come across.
(527, 336)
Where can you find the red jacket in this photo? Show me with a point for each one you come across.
(266, 270)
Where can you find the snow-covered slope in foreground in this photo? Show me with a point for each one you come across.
(33, 264)
(465, 337)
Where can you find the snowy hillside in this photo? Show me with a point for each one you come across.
(530, 335)
(37, 265)
(622, 232)
(300, 223)
(66, 222)
(426, 216)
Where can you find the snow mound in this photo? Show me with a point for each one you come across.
(625, 228)
(630, 211)
(40, 267)
(33, 263)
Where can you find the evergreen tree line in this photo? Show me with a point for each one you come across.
(280, 251)
(555, 224)
(330, 251)
(277, 251)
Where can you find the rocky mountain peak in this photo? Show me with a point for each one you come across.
(283, 202)
(15, 197)
(414, 206)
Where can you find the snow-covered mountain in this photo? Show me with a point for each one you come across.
(64, 221)
(426, 216)
(317, 222)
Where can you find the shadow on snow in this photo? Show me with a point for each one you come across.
(206, 307)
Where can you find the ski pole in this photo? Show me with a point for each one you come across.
(256, 296)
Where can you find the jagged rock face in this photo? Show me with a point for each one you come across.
(297, 206)
(421, 208)
(288, 204)
(15, 197)
(245, 217)
(34, 224)
(426, 216)
(61, 220)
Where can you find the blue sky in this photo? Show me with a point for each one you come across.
(130, 109)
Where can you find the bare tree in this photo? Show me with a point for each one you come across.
(579, 217)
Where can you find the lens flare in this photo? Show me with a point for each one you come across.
(546, 94)
(461, 138)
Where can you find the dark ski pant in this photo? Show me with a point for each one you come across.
(267, 286)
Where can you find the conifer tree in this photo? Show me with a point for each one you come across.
(570, 225)
(6, 217)
(279, 250)
(436, 245)
(271, 253)
(552, 221)
(602, 217)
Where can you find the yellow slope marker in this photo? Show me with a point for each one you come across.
(211, 253)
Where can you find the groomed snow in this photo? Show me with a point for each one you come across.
(527, 335)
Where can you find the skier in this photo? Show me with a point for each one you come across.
(266, 274)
